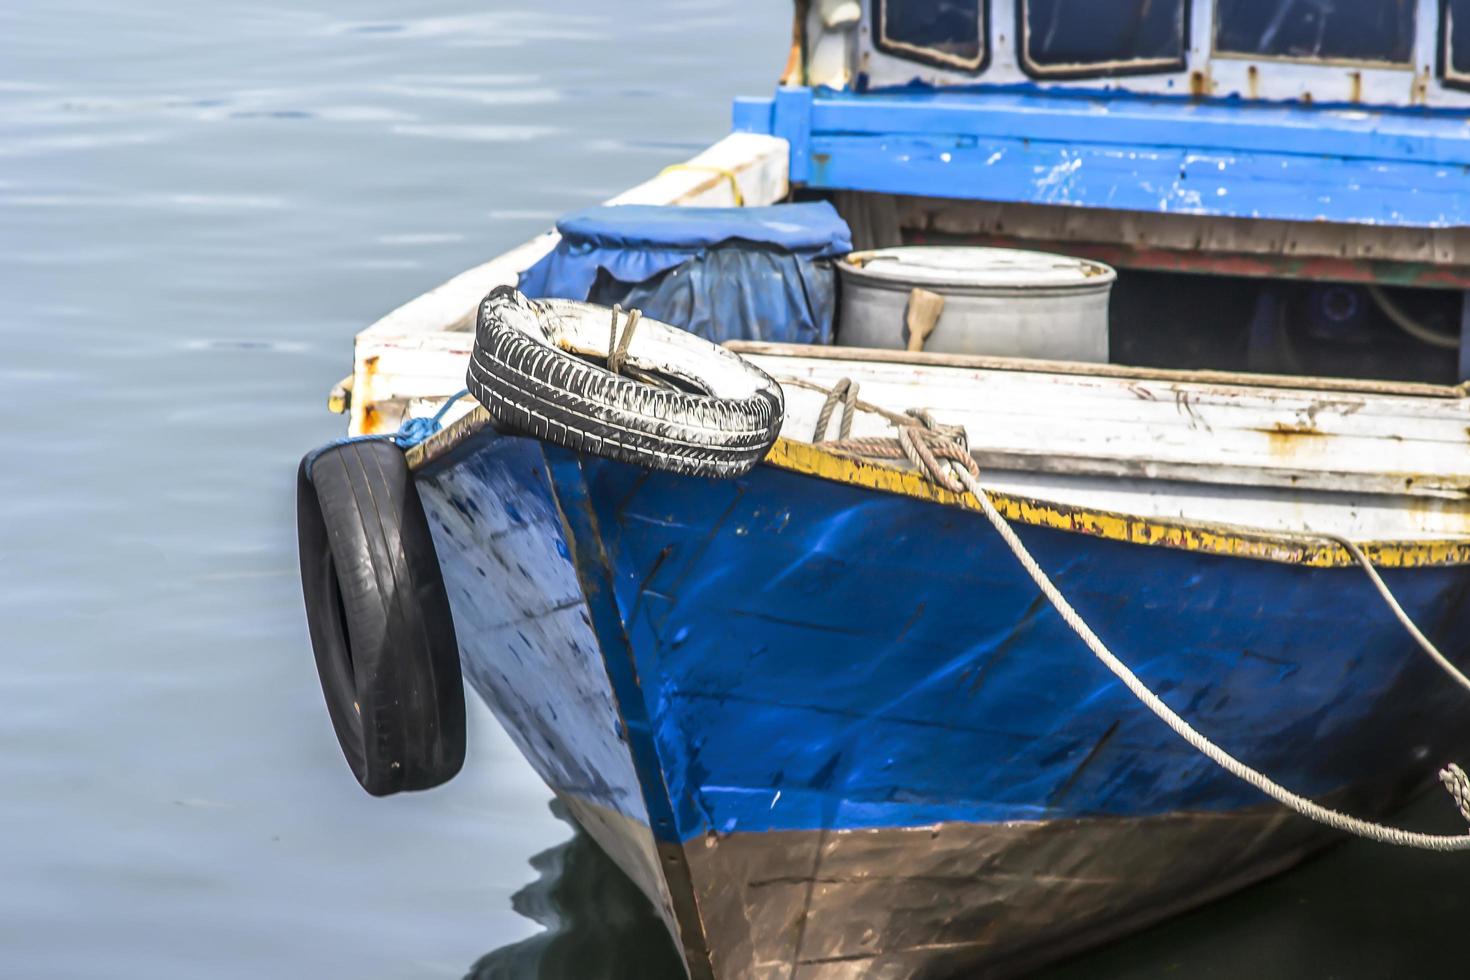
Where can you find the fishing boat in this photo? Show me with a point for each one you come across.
(883, 639)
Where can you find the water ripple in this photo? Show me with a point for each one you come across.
(510, 29)
(471, 133)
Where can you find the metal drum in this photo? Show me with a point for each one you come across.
(997, 301)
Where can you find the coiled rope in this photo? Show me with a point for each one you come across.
(964, 476)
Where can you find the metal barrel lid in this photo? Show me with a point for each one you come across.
(965, 267)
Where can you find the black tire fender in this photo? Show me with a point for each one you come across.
(526, 372)
(379, 617)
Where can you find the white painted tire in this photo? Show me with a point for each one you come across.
(526, 371)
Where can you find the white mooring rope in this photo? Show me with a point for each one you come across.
(1398, 610)
(964, 473)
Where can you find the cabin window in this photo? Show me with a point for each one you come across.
(1454, 57)
(1091, 38)
(946, 33)
(1363, 31)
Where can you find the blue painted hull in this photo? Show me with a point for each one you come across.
(837, 729)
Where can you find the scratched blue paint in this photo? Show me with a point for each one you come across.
(527, 641)
(795, 654)
(1123, 152)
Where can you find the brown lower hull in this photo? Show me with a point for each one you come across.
(959, 900)
(952, 900)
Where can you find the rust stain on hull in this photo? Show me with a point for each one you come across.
(1288, 440)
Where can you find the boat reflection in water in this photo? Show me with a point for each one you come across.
(598, 924)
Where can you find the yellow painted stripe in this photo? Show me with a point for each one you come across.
(800, 457)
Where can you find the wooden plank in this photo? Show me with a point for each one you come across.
(397, 370)
(1078, 424)
(1394, 255)
(1219, 262)
(1191, 433)
(929, 359)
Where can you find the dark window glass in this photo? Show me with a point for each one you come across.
(944, 32)
(1456, 40)
(1103, 36)
(1326, 30)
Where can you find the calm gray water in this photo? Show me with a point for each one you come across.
(200, 203)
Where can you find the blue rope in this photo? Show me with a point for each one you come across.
(414, 431)
(410, 433)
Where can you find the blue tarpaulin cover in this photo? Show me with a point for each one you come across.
(722, 273)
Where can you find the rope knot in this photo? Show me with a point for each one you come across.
(414, 431)
(930, 445)
(954, 433)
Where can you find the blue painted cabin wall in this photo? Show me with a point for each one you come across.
(792, 653)
(1162, 155)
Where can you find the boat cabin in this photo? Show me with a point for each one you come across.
(1388, 53)
(1281, 184)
